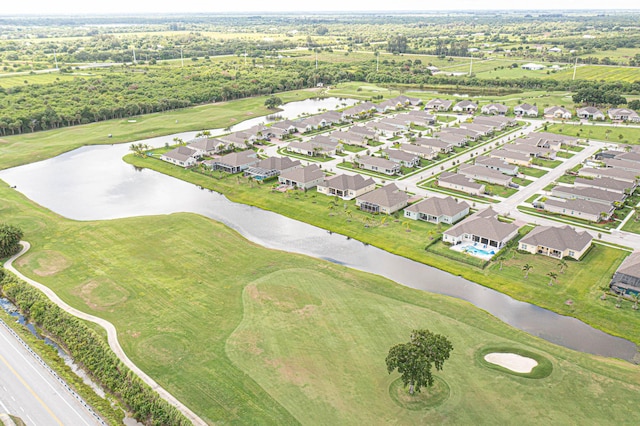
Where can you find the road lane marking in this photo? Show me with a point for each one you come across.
(4, 407)
(26, 385)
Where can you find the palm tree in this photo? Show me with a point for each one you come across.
(552, 277)
(501, 259)
(526, 268)
(636, 298)
(563, 265)
(604, 289)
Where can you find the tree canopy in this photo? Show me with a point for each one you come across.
(414, 359)
(10, 237)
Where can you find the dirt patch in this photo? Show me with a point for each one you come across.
(290, 373)
(134, 334)
(101, 294)
(307, 311)
(247, 341)
(46, 263)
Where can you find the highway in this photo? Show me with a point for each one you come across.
(29, 390)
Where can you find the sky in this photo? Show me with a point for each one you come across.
(68, 7)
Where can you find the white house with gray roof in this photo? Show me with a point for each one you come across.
(590, 113)
(588, 193)
(497, 165)
(465, 106)
(383, 129)
(484, 174)
(608, 184)
(438, 105)
(405, 159)
(494, 109)
(483, 229)
(303, 177)
(234, 162)
(512, 157)
(557, 112)
(419, 150)
(607, 172)
(461, 183)
(346, 187)
(181, 156)
(480, 129)
(377, 164)
(438, 210)
(578, 208)
(526, 110)
(386, 200)
(556, 242)
(623, 114)
(270, 167)
(208, 146)
(436, 144)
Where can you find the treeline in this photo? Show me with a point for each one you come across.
(86, 347)
(130, 91)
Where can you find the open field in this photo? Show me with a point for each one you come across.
(614, 133)
(264, 337)
(600, 72)
(7, 81)
(31, 147)
(392, 235)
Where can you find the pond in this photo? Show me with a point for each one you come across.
(93, 183)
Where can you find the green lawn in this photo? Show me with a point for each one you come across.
(550, 164)
(532, 171)
(564, 154)
(522, 182)
(353, 148)
(246, 335)
(32, 147)
(7, 81)
(619, 133)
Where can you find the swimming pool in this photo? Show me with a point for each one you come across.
(481, 251)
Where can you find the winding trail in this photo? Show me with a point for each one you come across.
(112, 336)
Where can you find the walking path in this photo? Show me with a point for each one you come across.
(112, 336)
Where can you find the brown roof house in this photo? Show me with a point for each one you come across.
(626, 280)
(387, 200)
(346, 187)
(303, 177)
(556, 242)
(438, 210)
(482, 229)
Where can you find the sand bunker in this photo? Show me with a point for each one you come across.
(513, 362)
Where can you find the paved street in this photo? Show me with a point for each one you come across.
(30, 391)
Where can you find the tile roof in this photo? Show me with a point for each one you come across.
(387, 196)
(435, 206)
(559, 238)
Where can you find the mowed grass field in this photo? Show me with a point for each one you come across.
(616, 134)
(246, 335)
(7, 81)
(31, 147)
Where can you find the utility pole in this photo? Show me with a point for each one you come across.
(575, 68)
(377, 61)
(55, 58)
(245, 57)
(316, 58)
(181, 57)
(471, 66)
(134, 55)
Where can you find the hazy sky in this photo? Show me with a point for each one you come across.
(66, 7)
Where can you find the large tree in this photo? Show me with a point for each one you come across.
(414, 359)
(10, 237)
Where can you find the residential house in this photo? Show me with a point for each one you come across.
(403, 158)
(480, 129)
(579, 208)
(494, 109)
(626, 280)
(471, 135)
(526, 110)
(557, 112)
(484, 174)
(388, 105)
(512, 157)
(407, 100)
(615, 163)
(283, 128)
(208, 146)
(398, 121)
(460, 183)
(362, 110)
(318, 145)
(497, 165)
(533, 139)
(421, 151)
(332, 117)
(454, 138)
(437, 145)
(482, 228)
(181, 156)
(530, 150)
(350, 137)
(346, 187)
(558, 242)
(235, 162)
(588, 193)
(272, 166)
(607, 172)
(420, 118)
(438, 210)
(465, 106)
(499, 122)
(623, 114)
(607, 184)
(303, 177)
(555, 138)
(383, 129)
(532, 67)
(315, 122)
(387, 200)
(590, 113)
(238, 140)
(438, 105)
(377, 164)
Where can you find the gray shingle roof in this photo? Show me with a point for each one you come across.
(631, 265)
(346, 182)
(588, 192)
(181, 153)
(485, 224)
(584, 206)
(387, 196)
(435, 206)
(559, 238)
(277, 163)
(457, 179)
(304, 174)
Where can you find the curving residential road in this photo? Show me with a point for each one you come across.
(112, 336)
